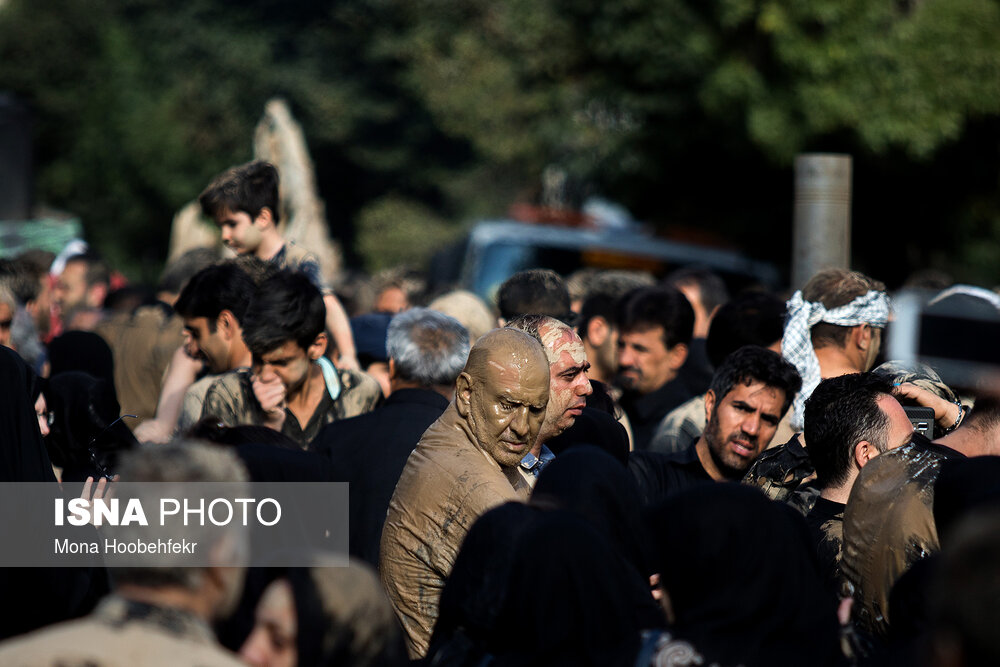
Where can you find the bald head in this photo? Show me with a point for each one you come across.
(502, 393)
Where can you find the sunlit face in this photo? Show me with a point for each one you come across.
(272, 642)
(241, 233)
(205, 344)
(289, 362)
(6, 322)
(506, 407)
(70, 290)
(741, 425)
(569, 385)
(644, 362)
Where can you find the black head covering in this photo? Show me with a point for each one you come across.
(565, 604)
(742, 578)
(43, 595)
(476, 588)
(82, 351)
(597, 428)
(593, 485)
(84, 438)
(23, 457)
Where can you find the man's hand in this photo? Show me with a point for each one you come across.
(271, 396)
(946, 413)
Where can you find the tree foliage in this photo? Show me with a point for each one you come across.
(687, 112)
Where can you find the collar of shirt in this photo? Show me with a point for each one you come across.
(534, 464)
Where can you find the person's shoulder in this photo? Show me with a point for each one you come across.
(235, 382)
(297, 254)
(361, 393)
(89, 641)
(780, 470)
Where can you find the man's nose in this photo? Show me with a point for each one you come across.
(625, 357)
(751, 425)
(583, 386)
(519, 424)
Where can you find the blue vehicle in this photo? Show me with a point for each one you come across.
(495, 250)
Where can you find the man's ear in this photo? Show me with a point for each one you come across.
(709, 405)
(318, 347)
(96, 294)
(226, 324)
(862, 337)
(864, 452)
(677, 355)
(463, 394)
(597, 331)
(392, 369)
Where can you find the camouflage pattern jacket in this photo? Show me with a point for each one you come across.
(349, 393)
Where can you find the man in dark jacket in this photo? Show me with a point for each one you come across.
(427, 351)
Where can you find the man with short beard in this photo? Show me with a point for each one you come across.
(569, 385)
(750, 393)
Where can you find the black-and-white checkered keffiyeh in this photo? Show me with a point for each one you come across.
(796, 344)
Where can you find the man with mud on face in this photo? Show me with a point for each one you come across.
(569, 385)
(465, 464)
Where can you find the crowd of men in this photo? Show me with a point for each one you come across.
(641, 471)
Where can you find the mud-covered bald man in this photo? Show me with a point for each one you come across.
(464, 465)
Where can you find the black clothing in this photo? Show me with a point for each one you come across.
(658, 476)
(86, 436)
(826, 525)
(593, 427)
(589, 483)
(569, 602)
(369, 451)
(477, 587)
(35, 596)
(81, 351)
(696, 373)
(22, 455)
(646, 411)
(964, 485)
(743, 580)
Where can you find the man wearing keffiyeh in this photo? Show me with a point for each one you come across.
(833, 327)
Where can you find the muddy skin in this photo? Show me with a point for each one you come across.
(464, 465)
(502, 394)
(569, 385)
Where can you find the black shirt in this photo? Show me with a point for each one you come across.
(646, 411)
(826, 527)
(661, 475)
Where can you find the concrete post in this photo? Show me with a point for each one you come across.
(821, 237)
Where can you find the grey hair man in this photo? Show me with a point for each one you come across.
(155, 615)
(427, 351)
(569, 385)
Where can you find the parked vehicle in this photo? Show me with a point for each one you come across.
(496, 249)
